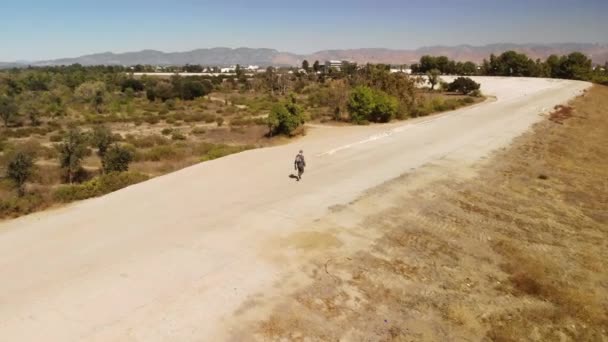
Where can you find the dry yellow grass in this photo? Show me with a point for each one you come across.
(516, 252)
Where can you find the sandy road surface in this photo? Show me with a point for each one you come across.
(173, 258)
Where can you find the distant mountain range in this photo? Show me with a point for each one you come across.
(265, 57)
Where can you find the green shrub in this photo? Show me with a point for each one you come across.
(117, 159)
(98, 186)
(147, 141)
(367, 104)
(218, 151)
(220, 121)
(286, 117)
(158, 153)
(17, 206)
(166, 131)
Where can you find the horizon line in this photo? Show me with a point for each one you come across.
(25, 61)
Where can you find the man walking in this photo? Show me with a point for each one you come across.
(299, 164)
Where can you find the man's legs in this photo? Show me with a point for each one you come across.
(300, 172)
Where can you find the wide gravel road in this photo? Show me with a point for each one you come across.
(174, 257)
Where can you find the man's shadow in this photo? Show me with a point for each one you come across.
(292, 176)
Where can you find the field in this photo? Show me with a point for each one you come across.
(511, 249)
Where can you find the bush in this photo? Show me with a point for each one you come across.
(152, 120)
(158, 153)
(17, 206)
(286, 117)
(369, 105)
(198, 131)
(167, 131)
(220, 121)
(464, 85)
(218, 151)
(476, 93)
(147, 141)
(208, 118)
(117, 159)
(98, 186)
(178, 136)
(56, 137)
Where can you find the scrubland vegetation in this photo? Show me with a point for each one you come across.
(74, 132)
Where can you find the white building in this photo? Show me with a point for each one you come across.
(228, 70)
(333, 64)
(407, 71)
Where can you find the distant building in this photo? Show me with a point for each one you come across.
(401, 68)
(228, 70)
(335, 64)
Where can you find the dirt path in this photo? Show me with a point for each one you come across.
(174, 258)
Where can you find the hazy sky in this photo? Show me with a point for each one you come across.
(34, 30)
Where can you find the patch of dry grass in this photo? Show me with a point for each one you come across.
(517, 253)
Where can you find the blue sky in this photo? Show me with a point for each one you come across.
(34, 30)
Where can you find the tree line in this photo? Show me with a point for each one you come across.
(575, 66)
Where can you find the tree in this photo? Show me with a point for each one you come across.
(285, 117)
(433, 77)
(427, 63)
(8, 109)
(469, 68)
(553, 63)
(117, 159)
(305, 66)
(316, 66)
(443, 64)
(575, 66)
(19, 170)
(102, 138)
(240, 73)
(71, 152)
(510, 63)
(463, 85)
